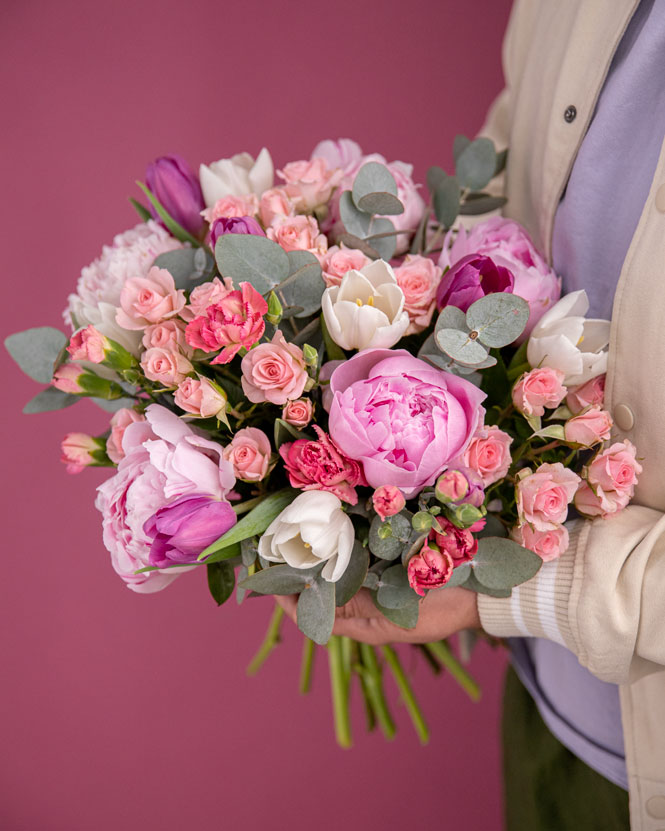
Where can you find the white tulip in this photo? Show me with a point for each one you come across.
(236, 176)
(313, 529)
(565, 340)
(367, 309)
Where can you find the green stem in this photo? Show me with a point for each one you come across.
(269, 642)
(374, 687)
(443, 653)
(307, 665)
(339, 690)
(370, 716)
(431, 660)
(406, 692)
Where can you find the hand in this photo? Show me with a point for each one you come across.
(442, 613)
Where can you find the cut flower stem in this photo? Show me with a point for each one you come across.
(270, 641)
(340, 692)
(444, 654)
(406, 692)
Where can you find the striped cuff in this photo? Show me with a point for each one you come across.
(539, 607)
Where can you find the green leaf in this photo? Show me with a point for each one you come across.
(451, 317)
(482, 205)
(552, 431)
(279, 579)
(384, 246)
(375, 190)
(174, 228)
(352, 241)
(316, 610)
(285, 432)
(355, 221)
(501, 159)
(221, 581)
(394, 589)
(189, 267)
(381, 203)
(386, 539)
(305, 284)
(460, 144)
(493, 528)
(461, 347)
(446, 201)
(499, 318)
(474, 585)
(459, 576)
(37, 350)
(435, 176)
(50, 399)
(114, 405)
(351, 581)
(406, 617)
(240, 592)
(249, 551)
(140, 209)
(501, 563)
(371, 581)
(476, 164)
(252, 524)
(247, 258)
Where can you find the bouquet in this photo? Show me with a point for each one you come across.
(328, 385)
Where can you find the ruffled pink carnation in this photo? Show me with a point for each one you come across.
(419, 279)
(429, 569)
(88, 345)
(388, 500)
(459, 543)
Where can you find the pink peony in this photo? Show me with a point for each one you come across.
(543, 496)
(488, 454)
(309, 183)
(200, 397)
(77, 450)
(508, 244)
(150, 299)
(403, 419)
(232, 206)
(274, 371)
(429, 569)
(538, 389)
(548, 545)
(167, 367)
(119, 423)
(274, 203)
(164, 461)
(88, 345)
(170, 334)
(458, 543)
(588, 427)
(207, 294)
(338, 260)
(419, 279)
(610, 480)
(585, 395)
(249, 453)
(321, 465)
(298, 412)
(388, 500)
(235, 322)
(298, 233)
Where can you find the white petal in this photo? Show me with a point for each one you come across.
(337, 565)
(266, 550)
(378, 273)
(296, 553)
(557, 352)
(262, 174)
(386, 336)
(354, 286)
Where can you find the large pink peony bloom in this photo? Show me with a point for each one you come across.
(402, 418)
(164, 460)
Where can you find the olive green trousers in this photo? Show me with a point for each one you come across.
(546, 787)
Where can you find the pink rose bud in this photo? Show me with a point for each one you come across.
(274, 371)
(338, 261)
(430, 569)
(543, 496)
(119, 423)
(488, 454)
(298, 413)
(589, 427)
(88, 345)
(459, 543)
(67, 378)
(538, 389)
(452, 486)
(388, 500)
(247, 205)
(586, 395)
(548, 545)
(72, 378)
(249, 453)
(79, 450)
(200, 397)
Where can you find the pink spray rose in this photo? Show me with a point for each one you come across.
(200, 397)
(548, 545)
(170, 334)
(234, 323)
(309, 183)
(538, 389)
(610, 481)
(458, 543)
(298, 412)
(232, 206)
(488, 454)
(167, 367)
(150, 299)
(388, 501)
(585, 395)
(88, 345)
(249, 453)
(321, 465)
(338, 260)
(543, 496)
(298, 233)
(403, 419)
(274, 371)
(589, 427)
(430, 569)
(207, 294)
(274, 203)
(419, 279)
(77, 451)
(164, 461)
(508, 244)
(119, 423)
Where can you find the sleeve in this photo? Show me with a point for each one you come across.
(604, 598)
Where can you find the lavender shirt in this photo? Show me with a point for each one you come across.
(593, 228)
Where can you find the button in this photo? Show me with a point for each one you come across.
(624, 420)
(571, 114)
(660, 199)
(656, 807)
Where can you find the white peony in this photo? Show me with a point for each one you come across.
(565, 340)
(313, 529)
(366, 310)
(236, 176)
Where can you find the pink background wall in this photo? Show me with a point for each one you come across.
(122, 711)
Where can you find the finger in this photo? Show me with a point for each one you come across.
(375, 631)
(288, 602)
(360, 606)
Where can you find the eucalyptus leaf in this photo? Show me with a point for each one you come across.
(240, 592)
(249, 551)
(221, 581)
(354, 575)
(451, 317)
(473, 207)
(493, 528)
(501, 159)
(373, 177)
(279, 579)
(459, 576)
(460, 143)
(114, 405)
(499, 318)
(371, 581)
(352, 241)
(316, 610)
(501, 563)
(395, 591)
(461, 347)
(384, 246)
(446, 201)
(473, 584)
(435, 176)
(354, 220)
(386, 548)
(50, 399)
(476, 164)
(381, 203)
(252, 259)
(189, 267)
(304, 286)
(37, 350)
(406, 617)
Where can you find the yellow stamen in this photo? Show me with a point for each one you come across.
(359, 301)
(307, 545)
(580, 340)
(370, 302)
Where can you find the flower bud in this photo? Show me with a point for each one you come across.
(275, 309)
(172, 181)
(422, 522)
(452, 486)
(79, 450)
(388, 500)
(91, 345)
(464, 516)
(73, 379)
(311, 355)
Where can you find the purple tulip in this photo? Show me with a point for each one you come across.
(180, 531)
(177, 187)
(234, 225)
(471, 278)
